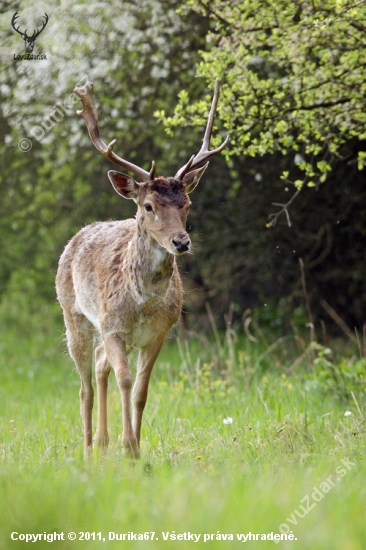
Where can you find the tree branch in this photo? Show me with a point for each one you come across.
(284, 210)
(330, 21)
(325, 104)
(210, 11)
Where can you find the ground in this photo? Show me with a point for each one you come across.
(240, 441)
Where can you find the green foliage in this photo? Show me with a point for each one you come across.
(292, 79)
(344, 376)
(138, 56)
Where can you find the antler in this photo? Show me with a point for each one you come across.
(204, 153)
(34, 35)
(15, 16)
(90, 116)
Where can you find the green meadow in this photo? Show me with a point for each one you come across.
(241, 441)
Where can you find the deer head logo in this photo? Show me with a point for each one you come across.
(29, 40)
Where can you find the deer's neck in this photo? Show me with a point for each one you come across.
(153, 264)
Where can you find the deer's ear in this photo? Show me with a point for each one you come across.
(192, 178)
(125, 186)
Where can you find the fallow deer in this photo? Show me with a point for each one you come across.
(119, 281)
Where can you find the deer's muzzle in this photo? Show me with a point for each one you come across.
(181, 242)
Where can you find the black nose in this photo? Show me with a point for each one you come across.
(181, 246)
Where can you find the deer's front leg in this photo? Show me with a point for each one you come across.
(102, 370)
(146, 361)
(116, 356)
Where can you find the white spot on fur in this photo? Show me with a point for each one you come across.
(159, 254)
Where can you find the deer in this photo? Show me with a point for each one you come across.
(29, 40)
(118, 282)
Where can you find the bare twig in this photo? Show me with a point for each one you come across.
(358, 343)
(284, 210)
(214, 328)
(297, 361)
(269, 350)
(357, 405)
(307, 301)
(324, 333)
(246, 322)
(262, 400)
(337, 319)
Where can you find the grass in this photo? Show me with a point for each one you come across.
(297, 412)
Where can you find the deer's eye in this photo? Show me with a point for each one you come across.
(148, 207)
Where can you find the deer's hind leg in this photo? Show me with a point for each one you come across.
(79, 334)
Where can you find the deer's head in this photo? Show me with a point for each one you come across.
(163, 203)
(29, 40)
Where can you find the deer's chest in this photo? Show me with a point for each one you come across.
(147, 321)
(141, 314)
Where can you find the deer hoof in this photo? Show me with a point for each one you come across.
(130, 449)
